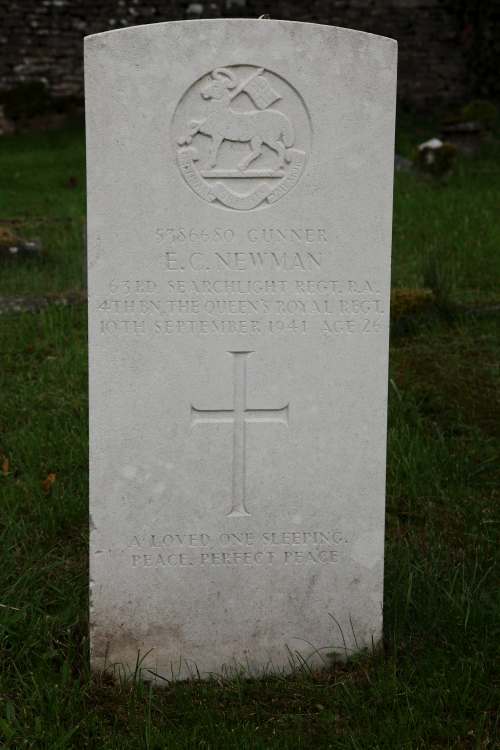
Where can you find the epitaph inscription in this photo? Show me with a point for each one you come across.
(239, 416)
(159, 551)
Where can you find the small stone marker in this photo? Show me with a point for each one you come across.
(13, 247)
(239, 227)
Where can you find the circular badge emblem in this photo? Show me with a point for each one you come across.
(241, 137)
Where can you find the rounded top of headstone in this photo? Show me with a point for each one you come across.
(270, 23)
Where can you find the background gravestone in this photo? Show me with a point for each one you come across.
(239, 224)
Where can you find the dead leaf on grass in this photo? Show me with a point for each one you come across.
(48, 482)
(5, 466)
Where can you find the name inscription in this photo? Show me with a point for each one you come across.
(224, 249)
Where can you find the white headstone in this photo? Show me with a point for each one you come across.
(239, 229)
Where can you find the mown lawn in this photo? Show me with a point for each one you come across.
(436, 681)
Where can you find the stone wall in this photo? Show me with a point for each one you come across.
(42, 39)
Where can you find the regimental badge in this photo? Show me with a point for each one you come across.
(242, 136)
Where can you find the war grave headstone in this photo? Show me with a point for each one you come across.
(239, 228)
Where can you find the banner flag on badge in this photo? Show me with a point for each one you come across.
(261, 92)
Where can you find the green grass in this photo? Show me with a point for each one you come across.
(436, 681)
(449, 231)
(42, 189)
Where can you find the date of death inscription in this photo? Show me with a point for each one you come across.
(187, 550)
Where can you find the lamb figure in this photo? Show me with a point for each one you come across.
(257, 127)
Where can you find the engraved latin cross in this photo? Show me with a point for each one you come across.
(239, 416)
